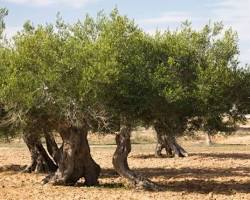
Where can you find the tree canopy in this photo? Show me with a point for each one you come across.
(106, 68)
(106, 74)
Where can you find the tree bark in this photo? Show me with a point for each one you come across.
(120, 161)
(40, 160)
(167, 142)
(52, 147)
(162, 143)
(75, 161)
(208, 139)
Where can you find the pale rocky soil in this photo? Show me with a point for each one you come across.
(218, 172)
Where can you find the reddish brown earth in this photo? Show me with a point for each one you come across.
(217, 172)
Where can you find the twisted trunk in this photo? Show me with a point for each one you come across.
(75, 161)
(40, 160)
(167, 142)
(120, 160)
(161, 144)
(52, 147)
(208, 139)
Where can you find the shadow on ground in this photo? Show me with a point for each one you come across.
(238, 156)
(187, 180)
(197, 173)
(12, 168)
(194, 180)
(205, 187)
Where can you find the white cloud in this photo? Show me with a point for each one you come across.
(169, 21)
(170, 17)
(235, 14)
(11, 30)
(245, 55)
(73, 3)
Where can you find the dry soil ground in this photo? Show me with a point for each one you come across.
(218, 172)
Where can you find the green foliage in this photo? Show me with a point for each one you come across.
(3, 13)
(216, 83)
(123, 63)
(104, 69)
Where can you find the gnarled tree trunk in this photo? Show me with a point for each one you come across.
(168, 142)
(52, 147)
(209, 141)
(120, 161)
(40, 160)
(75, 161)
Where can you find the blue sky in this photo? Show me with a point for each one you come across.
(149, 14)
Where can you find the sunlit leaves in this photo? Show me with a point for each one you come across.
(65, 70)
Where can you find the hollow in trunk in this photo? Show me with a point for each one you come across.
(52, 147)
(75, 160)
(40, 160)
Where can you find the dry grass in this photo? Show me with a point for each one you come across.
(217, 172)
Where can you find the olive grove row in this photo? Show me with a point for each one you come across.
(106, 74)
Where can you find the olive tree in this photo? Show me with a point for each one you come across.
(123, 83)
(4, 63)
(221, 90)
(198, 78)
(106, 73)
(41, 88)
(3, 14)
(173, 76)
